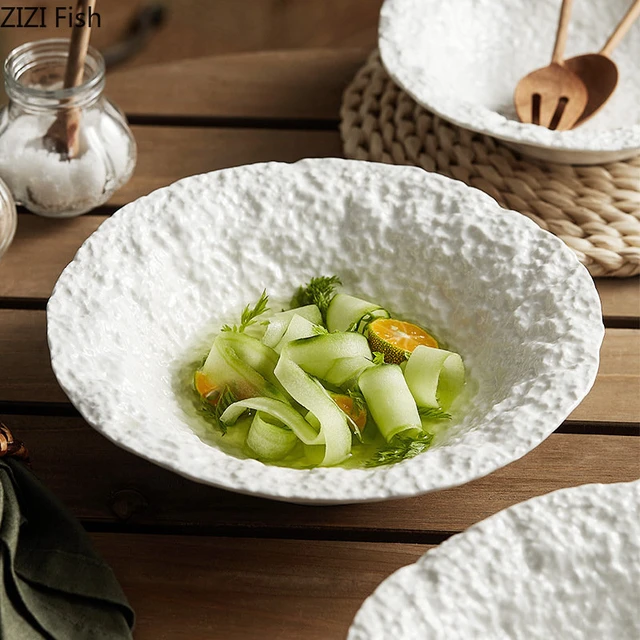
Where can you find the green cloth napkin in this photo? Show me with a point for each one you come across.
(53, 583)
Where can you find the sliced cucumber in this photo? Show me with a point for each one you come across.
(345, 371)
(389, 400)
(252, 352)
(345, 312)
(451, 380)
(334, 430)
(279, 322)
(270, 439)
(279, 410)
(299, 327)
(362, 324)
(317, 355)
(225, 368)
(434, 376)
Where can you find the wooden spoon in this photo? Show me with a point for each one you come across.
(598, 71)
(553, 96)
(63, 135)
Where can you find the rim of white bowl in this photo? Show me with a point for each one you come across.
(474, 117)
(616, 497)
(331, 485)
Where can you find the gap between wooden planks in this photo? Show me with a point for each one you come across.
(102, 483)
(26, 373)
(245, 589)
(43, 247)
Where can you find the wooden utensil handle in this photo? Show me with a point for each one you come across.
(78, 47)
(621, 30)
(561, 34)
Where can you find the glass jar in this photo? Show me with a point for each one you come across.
(8, 218)
(42, 179)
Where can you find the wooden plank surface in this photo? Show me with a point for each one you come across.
(100, 482)
(166, 154)
(620, 297)
(197, 588)
(616, 393)
(26, 372)
(196, 28)
(269, 84)
(43, 247)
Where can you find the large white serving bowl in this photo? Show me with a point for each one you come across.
(149, 288)
(564, 565)
(462, 59)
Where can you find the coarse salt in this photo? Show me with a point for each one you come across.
(48, 184)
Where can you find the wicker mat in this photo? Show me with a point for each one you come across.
(594, 209)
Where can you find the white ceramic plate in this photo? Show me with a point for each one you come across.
(144, 295)
(564, 565)
(463, 58)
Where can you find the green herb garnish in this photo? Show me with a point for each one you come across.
(358, 399)
(249, 314)
(209, 412)
(224, 402)
(401, 448)
(213, 412)
(319, 291)
(378, 358)
(433, 414)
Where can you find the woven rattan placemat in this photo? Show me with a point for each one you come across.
(594, 209)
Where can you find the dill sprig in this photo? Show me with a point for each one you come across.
(249, 314)
(319, 291)
(226, 399)
(401, 448)
(358, 399)
(210, 414)
(213, 412)
(431, 413)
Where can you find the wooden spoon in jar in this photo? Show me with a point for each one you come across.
(63, 135)
(598, 71)
(554, 96)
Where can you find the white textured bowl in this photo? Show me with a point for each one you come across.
(462, 59)
(145, 292)
(564, 565)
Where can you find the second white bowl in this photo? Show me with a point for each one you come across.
(462, 59)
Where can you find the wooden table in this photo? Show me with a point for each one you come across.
(198, 562)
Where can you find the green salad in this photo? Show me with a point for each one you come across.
(332, 380)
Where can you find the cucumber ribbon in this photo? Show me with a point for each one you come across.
(243, 365)
(301, 362)
(434, 376)
(270, 439)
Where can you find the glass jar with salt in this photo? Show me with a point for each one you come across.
(8, 218)
(43, 177)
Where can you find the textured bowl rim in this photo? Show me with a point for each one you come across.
(485, 529)
(577, 140)
(292, 492)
